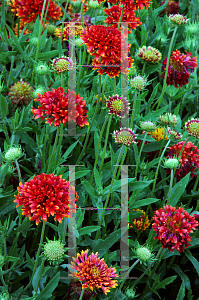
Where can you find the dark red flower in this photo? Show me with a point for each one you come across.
(172, 226)
(189, 159)
(29, 10)
(179, 66)
(105, 44)
(113, 18)
(54, 107)
(45, 195)
(171, 8)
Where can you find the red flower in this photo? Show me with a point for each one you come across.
(45, 195)
(179, 64)
(172, 226)
(28, 10)
(54, 107)
(143, 4)
(171, 8)
(128, 16)
(93, 272)
(189, 159)
(131, 5)
(105, 44)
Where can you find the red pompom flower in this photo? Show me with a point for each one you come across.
(179, 66)
(54, 107)
(172, 226)
(93, 272)
(189, 159)
(45, 195)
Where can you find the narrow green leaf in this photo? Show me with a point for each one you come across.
(144, 202)
(97, 178)
(89, 189)
(80, 219)
(36, 277)
(163, 283)
(88, 230)
(3, 107)
(181, 293)
(68, 151)
(193, 260)
(178, 190)
(101, 246)
(49, 289)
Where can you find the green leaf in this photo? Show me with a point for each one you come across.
(97, 178)
(49, 289)
(165, 282)
(3, 107)
(36, 278)
(89, 189)
(49, 54)
(80, 219)
(88, 230)
(117, 185)
(16, 41)
(25, 138)
(183, 276)
(193, 260)
(30, 262)
(139, 185)
(181, 293)
(68, 151)
(80, 174)
(178, 190)
(144, 202)
(101, 246)
(22, 130)
(54, 227)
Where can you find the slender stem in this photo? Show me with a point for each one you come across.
(82, 293)
(167, 68)
(133, 111)
(81, 70)
(156, 174)
(138, 161)
(81, 13)
(6, 132)
(43, 165)
(62, 80)
(128, 272)
(11, 67)
(170, 186)
(2, 279)
(143, 68)
(114, 82)
(120, 20)
(105, 144)
(60, 140)
(45, 14)
(109, 192)
(36, 261)
(96, 17)
(18, 170)
(54, 147)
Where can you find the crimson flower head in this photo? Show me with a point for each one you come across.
(45, 195)
(172, 226)
(105, 44)
(179, 66)
(113, 17)
(93, 272)
(189, 159)
(29, 10)
(54, 107)
(171, 8)
(192, 126)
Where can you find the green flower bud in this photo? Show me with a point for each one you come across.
(130, 293)
(132, 71)
(171, 163)
(147, 126)
(15, 152)
(50, 28)
(54, 251)
(93, 4)
(143, 253)
(39, 90)
(79, 42)
(41, 69)
(138, 83)
(99, 190)
(34, 40)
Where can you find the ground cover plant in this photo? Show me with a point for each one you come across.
(99, 161)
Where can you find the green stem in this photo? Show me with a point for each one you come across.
(170, 186)
(133, 111)
(36, 261)
(156, 174)
(109, 192)
(120, 20)
(18, 171)
(60, 140)
(105, 144)
(138, 161)
(2, 280)
(45, 14)
(96, 17)
(143, 68)
(114, 82)
(53, 152)
(43, 164)
(82, 293)
(128, 272)
(10, 73)
(62, 80)
(167, 68)
(6, 132)
(81, 70)
(81, 13)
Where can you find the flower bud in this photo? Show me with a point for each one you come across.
(138, 83)
(78, 42)
(147, 126)
(178, 19)
(130, 293)
(39, 90)
(41, 69)
(143, 253)
(171, 163)
(34, 40)
(53, 251)
(50, 28)
(13, 153)
(93, 4)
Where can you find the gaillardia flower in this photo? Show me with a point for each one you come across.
(29, 10)
(118, 105)
(105, 43)
(125, 136)
(189, 158)
(45, 195)
(158, 134)
(62, 64)
(192, 126)
(168, 118)
(20, 93)
(54, 107)
(93, 272)
(178, 19)
(171, 8)
(173, 134)
(139, 221)
(149, 54)
(179, 66)
(173, 226)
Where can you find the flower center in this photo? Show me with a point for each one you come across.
(117, 105)
(194, 127)
(95, 271)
